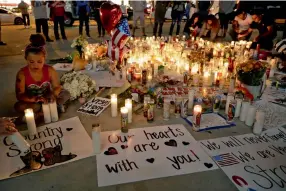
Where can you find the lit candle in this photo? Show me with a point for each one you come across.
(206, 79)
(20, 142)
(47, 113)
(29, 115)
(124, 119)
(197, 114)
(128, 105)
(187, 67)
(113, 105)
(54, 111)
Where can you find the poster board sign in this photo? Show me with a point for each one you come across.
(252, 162)
(53, 145)
(94, 106)
(148, 153)
(66, 67)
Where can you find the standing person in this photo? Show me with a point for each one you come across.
(210, 27)
(83, 11)
(177, 14)
(23, 6)
(58, 14)
(41, 18)
(188, 10)
(241, 26)
(203, 8)
(138, 14)
(96, 7)
(267, 30)
(1, 42)
(225, 14)
(160, 11)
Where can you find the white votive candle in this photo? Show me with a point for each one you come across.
(244, 109)
(20, 142)
(238, 107)
(259, 123)
(228, 100)
(128, 105)
(250, 117)
(54, 111)
(30, 120)
(47, 113)
(96, 142)
(113, 105)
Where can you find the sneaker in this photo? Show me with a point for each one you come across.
(2, 43)
(88, 36)
(65, 38)
(49, 40)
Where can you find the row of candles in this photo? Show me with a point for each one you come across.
(50, 115)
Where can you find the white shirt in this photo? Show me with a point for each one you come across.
(244, 24)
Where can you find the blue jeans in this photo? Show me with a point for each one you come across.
(176, 18)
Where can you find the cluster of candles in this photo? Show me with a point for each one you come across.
(125, 112)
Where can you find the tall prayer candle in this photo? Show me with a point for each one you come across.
(258, 126)
(231, 85)
(96, 142)
(128, 105)
(250, 117)
(191, 96)
(197, 114)
(47, 113)
(113, 105)
(29, 114)
(238, 107)
(244, 109)
(19, 141)
(54, 111)
(124, 119)
(206, 79)
(228, 99)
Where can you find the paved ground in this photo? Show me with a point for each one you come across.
(81, 175)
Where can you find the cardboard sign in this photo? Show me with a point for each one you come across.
(148, 153)
(252, 162)
(94, 106)
(53, 145)
(66, 67)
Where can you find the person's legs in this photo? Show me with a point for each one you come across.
(86, 22)
(135, 19)
(24, 19)
(38, 25)
(81, 19)
(179, 24)
(160, 29)
(142, 23)
(155, 28)
(28, 19)
(172, 26)
(56, 28)
(46, 29)
(62, 27)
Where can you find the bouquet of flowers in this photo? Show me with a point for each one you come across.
(78, 84)
(251, 72)
(79, 43)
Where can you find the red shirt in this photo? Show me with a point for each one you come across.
(58, 8)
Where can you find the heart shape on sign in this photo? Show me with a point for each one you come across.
(208, 165)
(185, 143)
(124, 146)
(171, 143)
(111, 151)
(150, 160)
(110, 15)
(69, 129)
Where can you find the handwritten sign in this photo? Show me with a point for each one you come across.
(148, 153)
(252, 162)
(94, 106)
(53, 145)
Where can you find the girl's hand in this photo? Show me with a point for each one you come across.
(7, 127)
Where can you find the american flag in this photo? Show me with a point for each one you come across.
(119, 38)
(226, 159)
(115, 53)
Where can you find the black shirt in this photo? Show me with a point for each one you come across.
(262, 26)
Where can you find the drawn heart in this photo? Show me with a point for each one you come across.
(111, 151)
(124, 146)
(171, 143)
(185, 143)
(208, 165)
(69, 129)
(150, 160)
